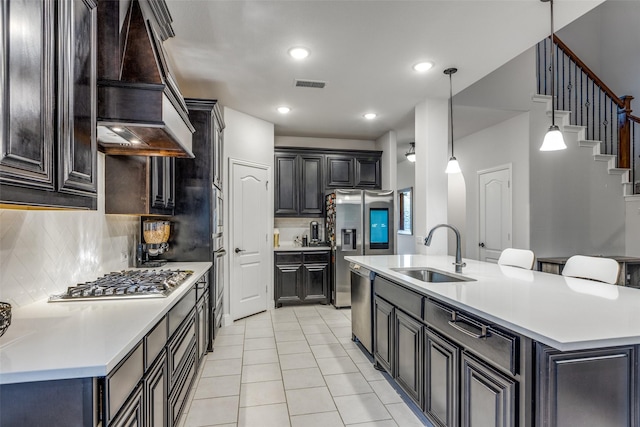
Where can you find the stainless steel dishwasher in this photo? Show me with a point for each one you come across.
(362, 305)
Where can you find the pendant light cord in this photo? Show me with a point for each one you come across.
(553, 73)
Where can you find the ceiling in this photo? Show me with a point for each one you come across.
(236, 51)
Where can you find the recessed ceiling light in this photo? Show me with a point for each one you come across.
(370, 116)
(421, 67)
(283, 110)
(299, 52)
(134, 141)
(117, 128)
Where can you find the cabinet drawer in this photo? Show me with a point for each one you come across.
(288, 258)
(495, 346)
(181, 310)
(316, 257)
(180, 347)
(408, 301)
(123, 380)
(154, 342)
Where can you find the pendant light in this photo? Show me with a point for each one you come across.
(411, 154)
(453, 166)
(553, 140)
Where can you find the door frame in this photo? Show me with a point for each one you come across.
(270, 303)
(508, 167)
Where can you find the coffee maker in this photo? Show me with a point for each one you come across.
(314, 233)
(156, 235)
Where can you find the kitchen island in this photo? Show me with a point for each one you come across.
(104, 362)
(507, 346)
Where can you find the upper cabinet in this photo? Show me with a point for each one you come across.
(48, 103)
(302, 176)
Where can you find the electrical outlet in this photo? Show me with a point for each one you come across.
(124, 256)
(419, 240)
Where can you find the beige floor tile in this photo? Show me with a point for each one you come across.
(232, 330)
(350, 345)
(226, 340)
(370, 373)
(287, 326)
(323, 419)
(259, 343)
(260, 332)
(257, 324)
(264, 416)
(207, 412)
(315, 328)
(283, 318)
(336, 365)
(228, 385)
(305, 311)
(328, 350)
(403, 415)
(225, 352)
(383, 423)
(386, 393)
(315, 339)
(297, 361)
(355, 354)
(264, 393)
(259, 316)
(311, 320)
(302, 378)
(309, 401)
(256, 357)
(337, 322)
(262, 372)
(345, 340)
(291, 347)
(342, 331)
(346, 384)
(360, 408)
(295, 335)
(216, 368)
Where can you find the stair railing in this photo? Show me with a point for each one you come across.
(605, 116)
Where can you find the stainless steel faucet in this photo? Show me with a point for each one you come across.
(427, 242)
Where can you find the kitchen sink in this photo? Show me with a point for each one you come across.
(432, 275)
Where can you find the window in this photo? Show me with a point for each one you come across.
(405, 208)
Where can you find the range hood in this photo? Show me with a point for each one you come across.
(140, 108)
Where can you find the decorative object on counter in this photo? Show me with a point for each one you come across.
(305, 241)
(553, 140)
(126, 284)
(522, 258)
(276, 238)
(593, 268)
(453, 166)
(5, 317)
(156, 236)
(411, 154)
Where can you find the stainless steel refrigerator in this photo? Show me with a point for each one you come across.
(358, 222)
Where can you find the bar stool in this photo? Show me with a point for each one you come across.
(522, 258)
(594, 268)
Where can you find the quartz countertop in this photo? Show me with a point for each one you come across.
(78, 339)
(562, 312)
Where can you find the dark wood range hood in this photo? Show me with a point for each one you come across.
(140, 108)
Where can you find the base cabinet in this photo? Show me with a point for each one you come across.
(132, 415)
(408, 355)
(383, 334)
(302, 277)
(441, 378)
(155, 393)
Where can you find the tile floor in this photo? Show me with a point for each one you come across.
(294, 366)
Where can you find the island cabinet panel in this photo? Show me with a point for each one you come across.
(409, 355)
(132, 414)
(442, 359)
(588, 387)
(488, 398)
(383, 334)
(155, 393)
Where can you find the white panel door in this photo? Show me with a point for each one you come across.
(250, 272)
(494, 212)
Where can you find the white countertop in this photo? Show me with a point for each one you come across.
(562, 312)
(78, 339)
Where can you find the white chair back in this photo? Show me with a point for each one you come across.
(595, 268)
(522, 258)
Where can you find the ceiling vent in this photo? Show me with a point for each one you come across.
(316, 84)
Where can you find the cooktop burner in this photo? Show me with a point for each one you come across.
(126, 284)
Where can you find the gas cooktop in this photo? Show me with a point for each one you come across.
(126, 284)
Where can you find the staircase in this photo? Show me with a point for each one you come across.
(587, 107)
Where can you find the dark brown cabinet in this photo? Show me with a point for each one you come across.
(155, 393)
(132, 414)
(298, 188)
(140, 185)
(340, 169)
(441, 380)
(383, 334)
(354, 170)
(408, 355)
(367, 173)
(302, 277)
(48, 123)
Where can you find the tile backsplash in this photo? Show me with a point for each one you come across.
(43, 252)
(290, 228)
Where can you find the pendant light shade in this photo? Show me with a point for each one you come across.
(553, 140)
(453, 166)
(411, 154)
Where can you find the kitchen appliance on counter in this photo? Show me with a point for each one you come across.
(125, 285)
(314, 233)
(156, 237)
(358, 222)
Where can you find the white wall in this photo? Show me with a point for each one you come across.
(44, 252)
(632, 226)
(251, 139)
(326, 143)
(506, 142)
(388, 145)
(406, 178)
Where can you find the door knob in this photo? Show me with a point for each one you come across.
(238, 250)
(481, 245)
